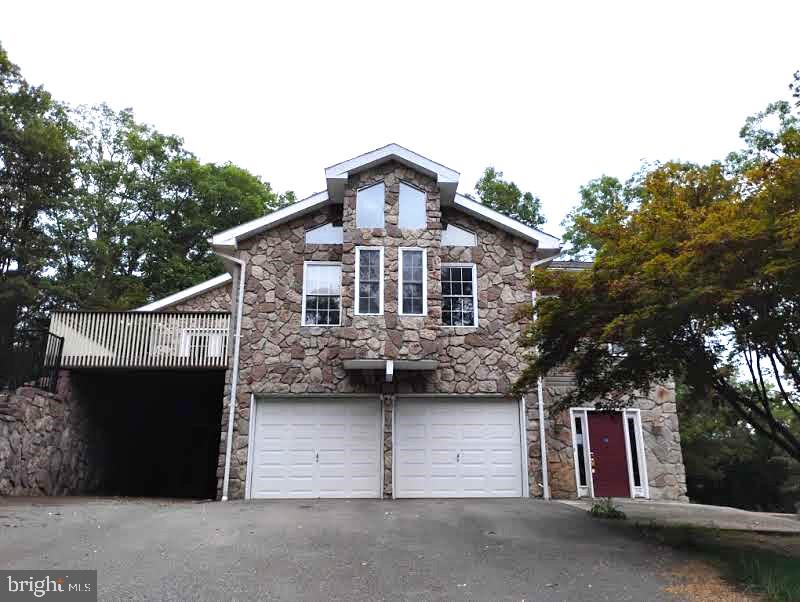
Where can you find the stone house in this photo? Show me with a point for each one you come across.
(373, 343)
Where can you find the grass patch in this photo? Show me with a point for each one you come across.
(760, 564)
(605, 508)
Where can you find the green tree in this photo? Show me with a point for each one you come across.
(35, 165)
(700, 276)
(140, 213)
(507, 198)
(727, 462)
(601, 199)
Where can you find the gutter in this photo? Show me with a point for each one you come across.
(234, 374)
(540, 395)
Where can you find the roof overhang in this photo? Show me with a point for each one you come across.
(186, 294)
(336, 175)
(227, 240)
(389, 367)
(547, 244)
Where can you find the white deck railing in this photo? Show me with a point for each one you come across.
(142, 340)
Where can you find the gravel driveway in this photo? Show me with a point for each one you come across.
(334, 550)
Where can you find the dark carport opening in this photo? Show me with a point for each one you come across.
(154, 433)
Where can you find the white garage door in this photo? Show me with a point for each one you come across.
(457, 448)
(316, 448)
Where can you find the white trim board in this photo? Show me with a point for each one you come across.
(303, 294)
(356, 296)
(475, 310)
(643, 490)
(187, 293)
(546, 242)
(400, 251)
(337, 175)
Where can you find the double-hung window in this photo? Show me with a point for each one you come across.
(413, 284)
(322, 293)
(459, 295)
(369, 280)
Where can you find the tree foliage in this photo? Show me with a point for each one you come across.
(143, 208)
(601, 199)
(99, 211)
(728, 463)
(35, 168)
(507, 198)
(700, 276)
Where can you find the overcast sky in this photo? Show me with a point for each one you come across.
(553, 95)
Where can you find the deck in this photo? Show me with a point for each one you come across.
(145, 340)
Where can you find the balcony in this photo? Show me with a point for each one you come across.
(180, 340)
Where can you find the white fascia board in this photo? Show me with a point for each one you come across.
(188, 293)
(482, 212)
(337, 175)
(227, 239)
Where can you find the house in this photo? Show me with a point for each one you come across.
(369, 339)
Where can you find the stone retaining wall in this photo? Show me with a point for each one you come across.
(44, 443)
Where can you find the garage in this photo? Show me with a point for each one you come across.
(457, 447)
(316, 448)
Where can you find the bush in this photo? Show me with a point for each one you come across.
(605, 508)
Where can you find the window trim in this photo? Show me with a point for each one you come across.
(303, 294)
(643, 490)
(382, 184)
(474, 292)
(334, 229)
(424, 205)
(357, 309)
(400, 252)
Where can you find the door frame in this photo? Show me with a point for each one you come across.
(433, 397)
(251, 441)
(643, 490)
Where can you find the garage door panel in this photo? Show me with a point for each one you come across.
(457, 448)
(317, 448)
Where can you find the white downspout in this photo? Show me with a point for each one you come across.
(234, 374)
(540, 395)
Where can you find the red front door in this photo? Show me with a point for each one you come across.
(609, 460)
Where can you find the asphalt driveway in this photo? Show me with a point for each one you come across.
(334, 550)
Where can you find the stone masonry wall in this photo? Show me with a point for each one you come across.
(216, 299)
(660, 436)
(44, 443)
(278, 355)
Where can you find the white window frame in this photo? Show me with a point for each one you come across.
(400, 280)
(424, 205)
(336, 234)
(303, 294)
(642, 490)
(356, 294)
(474, 292)
(448, 231)
(382, 184)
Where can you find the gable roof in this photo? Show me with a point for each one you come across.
(487, 214)
(336, 175)
(188, 293)
(227, 239)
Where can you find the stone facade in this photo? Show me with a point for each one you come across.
(660, 436)
(44, 443)
(279, 356)
(216, 299)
